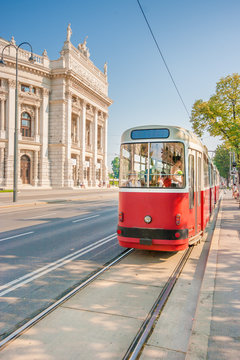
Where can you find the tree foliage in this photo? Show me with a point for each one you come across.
(222, 160)
(220, 115)
(115, 167)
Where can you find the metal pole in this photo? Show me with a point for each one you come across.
(15, 161)
(15, 165)
(230, 168)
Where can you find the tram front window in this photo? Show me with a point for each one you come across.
(152, 165)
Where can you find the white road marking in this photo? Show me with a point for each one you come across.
(31, 232)
(52, 266)
(15, 236)
(90, 217)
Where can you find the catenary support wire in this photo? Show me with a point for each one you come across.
(164, 61)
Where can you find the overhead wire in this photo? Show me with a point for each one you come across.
(164, 61)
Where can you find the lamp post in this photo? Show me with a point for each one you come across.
(15, 164)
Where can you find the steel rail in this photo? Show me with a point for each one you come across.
(52, 307)
(138, 342)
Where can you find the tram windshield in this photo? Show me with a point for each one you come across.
(152, 165)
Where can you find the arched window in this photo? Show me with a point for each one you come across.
(26, 124)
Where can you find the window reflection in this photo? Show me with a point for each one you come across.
(26, 125)
(152, 165)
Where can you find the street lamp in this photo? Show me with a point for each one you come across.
(15, 164)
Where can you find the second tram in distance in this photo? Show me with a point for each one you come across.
(168, 187)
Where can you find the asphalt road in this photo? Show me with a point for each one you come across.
(46, 250)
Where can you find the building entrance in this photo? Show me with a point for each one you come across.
(25, 169)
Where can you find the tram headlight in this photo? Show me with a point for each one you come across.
(147, 219)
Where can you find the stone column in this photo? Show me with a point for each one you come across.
(20, 123)
(36, 134)
(19, 169)
(35, 168)
(44, 178)
(2, 123)
(68, 180)
(78, 170)
(1, 164)
(2, 119)
(95, 134)
(82, 143)
(90, 173)
(105, 168)
(99, 169)
(78, 131)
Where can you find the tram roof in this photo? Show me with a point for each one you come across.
(175, 133)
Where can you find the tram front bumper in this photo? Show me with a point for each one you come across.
(147, 235)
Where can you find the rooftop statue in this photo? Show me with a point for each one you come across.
(69, 32)
(83, 48)
(13, 42)
(45, 53)
(105, 68)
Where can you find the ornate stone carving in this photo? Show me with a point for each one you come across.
(89, 109)
(29, 109)
(68, 95)
(89, 77)
(11, 83)
(45, 92)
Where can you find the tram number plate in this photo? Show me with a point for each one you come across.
(145, 241)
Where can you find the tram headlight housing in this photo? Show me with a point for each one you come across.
(121, 216)
(148, 219)
(178, 219)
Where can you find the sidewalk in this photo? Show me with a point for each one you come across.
(216, 329)
(38, 197)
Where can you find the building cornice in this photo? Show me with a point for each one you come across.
(28, 143)
(77, 80)
(27, 67)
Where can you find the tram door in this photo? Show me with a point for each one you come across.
(198, 192)
(194, 171)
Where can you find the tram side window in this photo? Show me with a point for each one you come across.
(199, 181)
(134, 165)
(191, 180)
(212, 176)
(206, 172)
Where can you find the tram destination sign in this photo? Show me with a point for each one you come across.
(149, 134)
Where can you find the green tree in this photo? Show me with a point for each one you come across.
(220, 115)
(115, 167)
(222, 160)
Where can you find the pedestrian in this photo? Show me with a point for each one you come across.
(235, 192)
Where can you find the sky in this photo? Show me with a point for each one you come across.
(198, 39)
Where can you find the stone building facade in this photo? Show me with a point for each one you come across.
(62, 118)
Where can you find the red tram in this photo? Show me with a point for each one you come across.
(168, 188)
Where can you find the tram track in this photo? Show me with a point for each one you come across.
(147, 326)
(19, 331)
(146, 329)
(116, 276)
